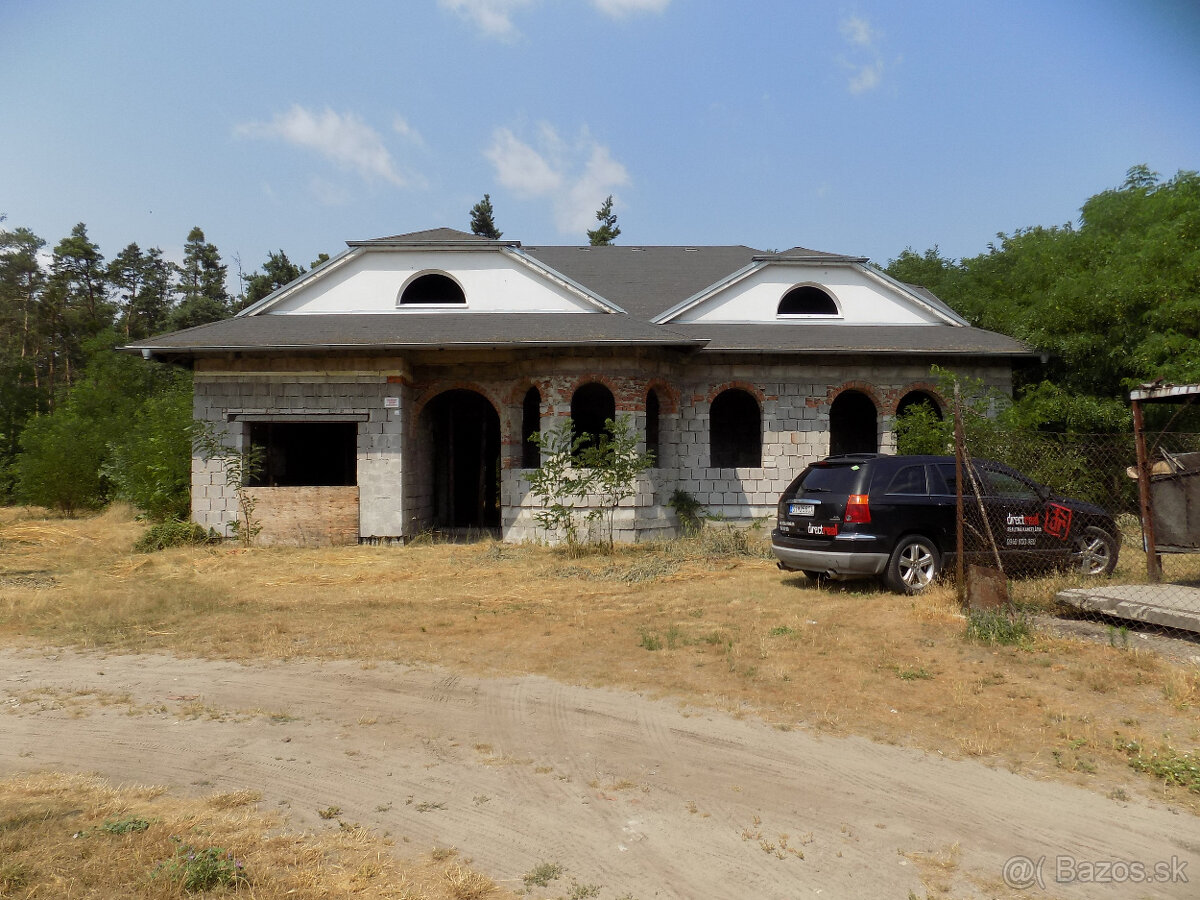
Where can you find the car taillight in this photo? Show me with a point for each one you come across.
(857, 509)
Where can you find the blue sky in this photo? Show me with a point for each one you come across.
(858, 127)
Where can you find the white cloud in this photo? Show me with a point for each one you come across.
(858, 31)
(495, 17)
(342, 139)
(574, 176)
(621, 8)
(492, 17)
(401, 126)
(866, 68)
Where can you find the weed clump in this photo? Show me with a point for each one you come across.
(990, 626)
(199, 869)
(1167, 764)
(162, 535)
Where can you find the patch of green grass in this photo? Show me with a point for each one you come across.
(162, 535)
(125, 825)
(201, 869)
(782, 631)
(1168, 764)
(650, 640)
(907, 673)
(991, 626)
(542, 874)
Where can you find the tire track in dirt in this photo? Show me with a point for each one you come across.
(695, 808)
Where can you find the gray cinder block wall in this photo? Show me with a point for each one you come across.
(394, 446)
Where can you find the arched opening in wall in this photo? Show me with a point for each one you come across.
(592, 405)
(531, 424)
(915, 399)
(735, 430)
(652, 425)
(433, 288)
(807, 300)
(463, 430)
(853, 424)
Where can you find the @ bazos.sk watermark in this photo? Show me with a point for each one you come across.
(1024, 872)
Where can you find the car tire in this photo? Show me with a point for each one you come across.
(1094, 551)
(913, 565)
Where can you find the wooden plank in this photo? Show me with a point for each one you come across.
(306, 516)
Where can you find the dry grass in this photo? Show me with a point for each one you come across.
(60, 837)
(708, 625)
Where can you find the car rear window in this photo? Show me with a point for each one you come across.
(831, 479)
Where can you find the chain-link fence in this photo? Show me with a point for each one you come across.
(1059, 516)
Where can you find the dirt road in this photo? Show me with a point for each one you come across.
(636, 796)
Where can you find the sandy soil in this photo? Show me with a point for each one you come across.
(638, 796)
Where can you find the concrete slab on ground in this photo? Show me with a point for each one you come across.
(1168, 605)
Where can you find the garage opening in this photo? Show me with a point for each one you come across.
(652, 425)
(853, 424)
(464, 431)
(916, 399)
(305, 454)
(735, 430)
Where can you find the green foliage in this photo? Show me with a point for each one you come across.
(542, 874)
(162, 535)
(1113, 302)
(576, 468)
(1168, 764)
(202, 869)
(993, 626)
(125, 825)
(483, 220)
(276, 272)
(608, 231)
(65, 453)
(688, 510)
(150, 464)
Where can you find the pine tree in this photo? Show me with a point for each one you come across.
(483, 222)
(608, 230)
(201, 289)
(277, 271)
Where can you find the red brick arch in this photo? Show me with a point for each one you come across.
(862, 387)
(441, 387)
(668, 397)
(894, 397)
(752, 389)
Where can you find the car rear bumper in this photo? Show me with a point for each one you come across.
(835, 562)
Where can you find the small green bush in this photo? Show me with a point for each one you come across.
(1168, 764)
(202, 869)
(992, 626)
(125, 825)
(174, 534)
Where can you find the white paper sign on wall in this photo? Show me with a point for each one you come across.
(391, 402)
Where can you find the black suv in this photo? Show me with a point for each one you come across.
(894, 516)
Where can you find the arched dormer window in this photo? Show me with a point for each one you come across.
(432, 288)
(808, 300)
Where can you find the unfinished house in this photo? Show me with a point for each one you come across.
(393, 389)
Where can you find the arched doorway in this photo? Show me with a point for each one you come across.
(915, 399)
(463, 430)
(853, 424)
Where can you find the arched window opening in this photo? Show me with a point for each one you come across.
(917, 399)
(531, 424)
(652, 425)
(592, 405)
(433, 288)
(807, 300)
(735, 430)
(853, 424)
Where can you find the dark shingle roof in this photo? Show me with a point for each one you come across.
(644, 281)
(839, 338)
(410, 331)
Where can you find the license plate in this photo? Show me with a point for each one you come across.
(802, 509)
